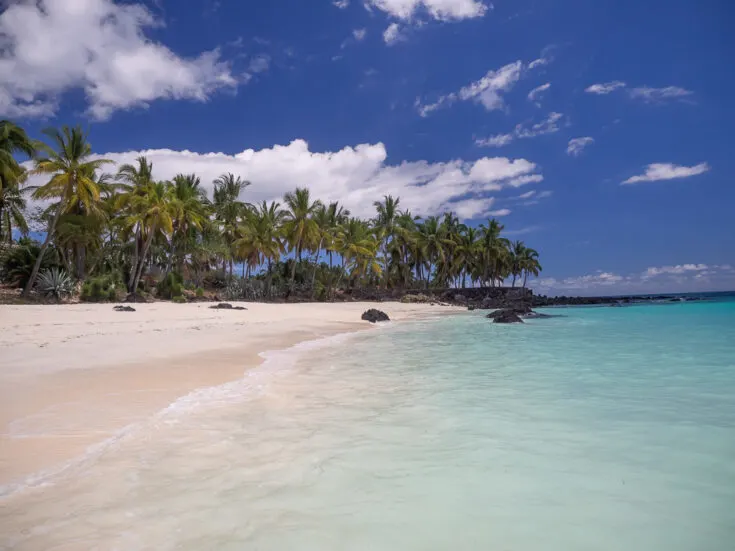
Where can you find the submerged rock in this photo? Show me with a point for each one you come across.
(374, 316)
(505, 316)
(121, 308)
(226, 306)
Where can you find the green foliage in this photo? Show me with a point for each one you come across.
(199, 292)
(171, 286)
(102, 288)
(54, 283)
(179, 299)
(17, 263)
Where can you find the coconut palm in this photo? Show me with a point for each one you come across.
(12, 207)
(300, 228)
(13, 140)
(385, 224)
(261, 238)
(189, 212)
(229, 210)
(72, 182)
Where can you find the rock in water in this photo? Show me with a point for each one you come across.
(505, 316)
(121, 308)
(227, 306)
(374, 315)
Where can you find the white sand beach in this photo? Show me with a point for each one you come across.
(72, 376)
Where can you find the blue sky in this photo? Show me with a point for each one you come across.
(596, 131)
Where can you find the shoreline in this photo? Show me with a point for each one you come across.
(76, 376)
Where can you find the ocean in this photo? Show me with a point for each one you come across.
(605, 429)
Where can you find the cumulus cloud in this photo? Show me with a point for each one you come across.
(667, 171)
(53, 46)
(485, 91)
(577, 145)
(442, 10)
(549, 125)
(656, 95)
(605, 88)
(536, 92)
(355, 176)
(359, 34)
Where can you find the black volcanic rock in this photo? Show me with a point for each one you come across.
(374, 316)
(226, 306)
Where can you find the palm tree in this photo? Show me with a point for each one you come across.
(72, 181)
(357, 245)
(150, 211)
(261, 239)
(13, 139)
(300, 228)
(385, 225)
(229, 210)
(189, 211)
(493, 251)
(431, 240)
(529, 264)
(12, 207)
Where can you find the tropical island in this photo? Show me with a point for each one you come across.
(113, 233)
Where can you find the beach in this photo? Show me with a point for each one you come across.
(72, 376)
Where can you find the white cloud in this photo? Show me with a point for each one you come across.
(667, 171)
(259, 63)
(341, 4)
(352, 175)
(605, 88)
(499, 213)
(443, 10)
(549, 125)
(653, 95)
(498, 140)
(393, 34)
(536, 92)
(486, 91)
(54, 46)
(577, 145)
(674, 270)
(359, 34)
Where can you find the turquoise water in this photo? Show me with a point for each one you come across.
(606, 429)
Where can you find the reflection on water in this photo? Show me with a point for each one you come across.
(608, 429)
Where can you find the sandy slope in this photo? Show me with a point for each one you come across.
(71, 376)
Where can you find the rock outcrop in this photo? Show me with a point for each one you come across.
(226, 306)
(374, 316)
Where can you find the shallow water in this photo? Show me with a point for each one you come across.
(607, 429)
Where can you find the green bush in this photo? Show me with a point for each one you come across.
(200, 292)
(171, 286)
(102, 288)
(179, 299)
(17, 263)
(54, 283)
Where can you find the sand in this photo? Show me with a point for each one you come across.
(73, 376)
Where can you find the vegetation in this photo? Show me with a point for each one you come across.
(131, 233)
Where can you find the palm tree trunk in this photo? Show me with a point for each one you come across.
(293, 268)
(134, 266)
(316, 259)
(39, 260)
(139, 271)
(514, 280)
(525, 277)
(268, 279)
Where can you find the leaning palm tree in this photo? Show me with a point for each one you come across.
(529, 264)
(72, 181)
(300, 228)
(150, 210)
(189, 212)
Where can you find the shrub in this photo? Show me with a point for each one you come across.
(199, 292)
(179, 299)
(102, 288)
(54, 283)
(171, 286)
(17, 263)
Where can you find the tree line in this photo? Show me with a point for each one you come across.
(129, 225)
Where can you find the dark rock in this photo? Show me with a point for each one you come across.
(374, 316)
(471, 307)
(506, 316)
(134, 297)
(121, 308)
(227, 306)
